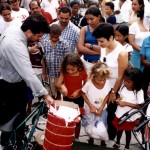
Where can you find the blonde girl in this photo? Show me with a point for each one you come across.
(95, 93)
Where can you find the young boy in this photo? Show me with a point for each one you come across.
(76, 16)
(55, 49)
(109, 10)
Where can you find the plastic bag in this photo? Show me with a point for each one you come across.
(97, 130)
(87, 118)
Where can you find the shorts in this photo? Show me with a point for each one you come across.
(51, 87)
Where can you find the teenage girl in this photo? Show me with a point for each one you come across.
(95, 93)
(6, 18)
(71, 80)
(130, 97)
(121, 35)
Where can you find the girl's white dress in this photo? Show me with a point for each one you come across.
(131, 97)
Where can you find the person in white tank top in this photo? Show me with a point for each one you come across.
(116, 58)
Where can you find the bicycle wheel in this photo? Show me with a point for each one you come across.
(139, 137)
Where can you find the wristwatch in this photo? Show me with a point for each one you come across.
(113, 92)
(91, 46)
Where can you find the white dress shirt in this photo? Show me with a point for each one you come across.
(15, 63)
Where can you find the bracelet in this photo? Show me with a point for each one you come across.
(91, 46)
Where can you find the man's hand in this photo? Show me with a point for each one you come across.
(33, 49)
(48, 99)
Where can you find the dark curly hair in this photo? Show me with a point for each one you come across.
(72, 59)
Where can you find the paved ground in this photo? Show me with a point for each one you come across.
(134, 144)
(84, 138)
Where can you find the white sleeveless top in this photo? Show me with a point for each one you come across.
(111, 60)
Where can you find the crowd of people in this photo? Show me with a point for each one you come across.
(99, 60)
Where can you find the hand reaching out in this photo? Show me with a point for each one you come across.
(48, 99)
(64, 90)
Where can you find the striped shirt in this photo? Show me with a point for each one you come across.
(71, 35)
(53, 56)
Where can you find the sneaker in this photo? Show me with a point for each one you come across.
(116, 146)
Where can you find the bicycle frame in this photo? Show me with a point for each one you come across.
(147, 138)
(26, 145)
(143, 124)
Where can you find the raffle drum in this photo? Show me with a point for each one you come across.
(60, 131)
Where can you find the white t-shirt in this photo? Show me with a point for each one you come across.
(128, 47)
(25, 4)
(139, 35)
(125, 11)
(4, 24)
(95, 96)
(131, 97)
(21, 14)
(50, 7)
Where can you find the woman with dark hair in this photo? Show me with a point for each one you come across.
(136, 6)
(88, 45)
(121, 35)
(113, 54)
(137, 32)
(7, 19)
(83, 22)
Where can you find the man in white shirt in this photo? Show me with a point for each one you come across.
(17, 11)
(51, 6)
(123, 10)
(16, 72)
(25, 4)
